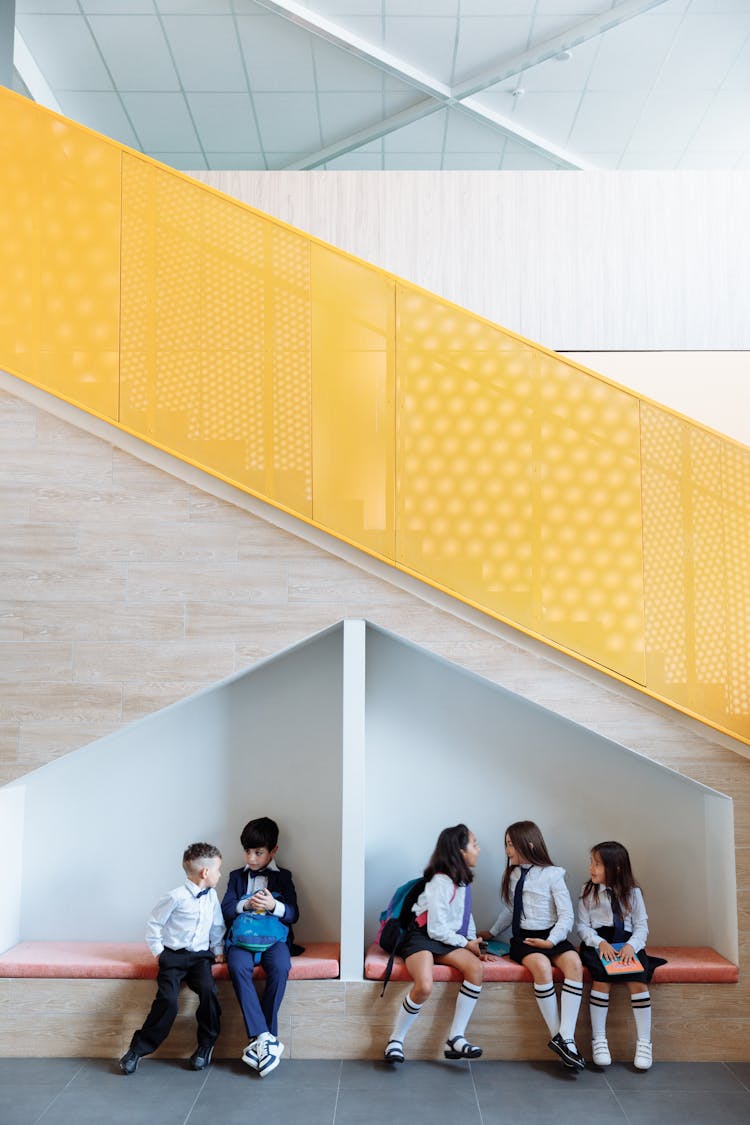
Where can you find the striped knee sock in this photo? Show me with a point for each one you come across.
(468, 994)
(547, 1001)
(641, 1003)
(598, 1010)
(570, 1003)
(407, 1014)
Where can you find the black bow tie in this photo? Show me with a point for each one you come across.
(261, 871)
(203, 892)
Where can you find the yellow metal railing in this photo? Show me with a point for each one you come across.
(523, 484)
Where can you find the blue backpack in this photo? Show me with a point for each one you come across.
(396, 919)
(257, 932)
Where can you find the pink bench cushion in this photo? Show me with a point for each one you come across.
(698, 964)
(131, 960)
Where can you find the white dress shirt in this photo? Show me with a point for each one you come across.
(592, 914)
(182, 920)
(546, 903)
(444, 903)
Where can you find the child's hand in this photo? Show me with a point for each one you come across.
(262, 900)
(606, 951)
(627, 955)
(540, 943)
(475, 948)
(220, 958)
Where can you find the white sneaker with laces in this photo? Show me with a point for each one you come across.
(250, 1055)
(270, 1051)
(643, 1055)
(600, 1052)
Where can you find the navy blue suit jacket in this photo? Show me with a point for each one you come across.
(279, 883)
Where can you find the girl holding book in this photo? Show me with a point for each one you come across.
(613, 927)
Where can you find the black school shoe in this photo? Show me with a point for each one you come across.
(201, 1058)
(129, 1062)
(567, 1051)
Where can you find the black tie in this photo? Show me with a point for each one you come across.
(518, 903)
(617, 922)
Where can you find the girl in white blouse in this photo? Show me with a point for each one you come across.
(611, 911)
(443, 930)
(535, 906)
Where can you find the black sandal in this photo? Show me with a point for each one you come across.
(465, 1051)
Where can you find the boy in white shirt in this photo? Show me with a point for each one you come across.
(185, 932)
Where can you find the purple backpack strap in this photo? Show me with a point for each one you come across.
(464, 927)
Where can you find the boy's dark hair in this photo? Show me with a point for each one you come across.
(260, 833)
(196, 852)
(527, 839)
(447, 858)
(617, 872)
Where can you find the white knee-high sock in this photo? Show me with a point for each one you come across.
(570, 1003)
(468, 994)
(598, 1010)
(641, 1002)
(547, 1001)
(407, 1014)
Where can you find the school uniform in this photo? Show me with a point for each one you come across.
(439, 919)
(547, 912)
(261, 1014)
(596, 922)
(185, 931)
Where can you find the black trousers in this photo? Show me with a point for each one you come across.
(176, 966)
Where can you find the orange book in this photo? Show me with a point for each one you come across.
(618, 968)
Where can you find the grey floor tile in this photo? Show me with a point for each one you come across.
(676, 1076)
(23, 1105)
(39, 1072)
(686, 1108)
(515, 1105)
(360, 1107)
(492, 1075)
(376, 1075)
(262, 1102)
(741, 1070)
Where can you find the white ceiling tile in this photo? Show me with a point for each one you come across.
(336, 69)
(649, 161)
(549, 115)
(278, 55)
(726, 125)
(182, 161)
(206, 52)
(695, 160)
(427, 44)
(528, 161)
(701, 7)
(605, 121)
(396, 101)
(279, 160)
(339, 117)
(739, 76)
(575, 10)
(229, 161)
(64, 50)
(704, 51)
(367, 28)
(335, 9)
(468, 161)
(411, 161)
(467, 134)
(135, 51)
(225, 121)
(198, 7)
(425, 135)
(421, 8)
(356, 161)
(631, 55)
(118, 7)
(288, 121)
(102, 111)
(669, 120)
(41, 6)
(499, 7)
(481, 41)
(162, 121)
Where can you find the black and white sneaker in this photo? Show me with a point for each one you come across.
(269, 1051)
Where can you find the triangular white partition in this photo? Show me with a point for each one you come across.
(362, 746)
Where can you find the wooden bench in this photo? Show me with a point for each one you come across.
(685, 965)
(131, 960)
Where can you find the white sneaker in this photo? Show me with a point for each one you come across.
(250, 1055)
(600, 1052)
(643, 1055)
(270, 1051)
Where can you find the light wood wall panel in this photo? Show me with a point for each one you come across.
(227, 587)
(576, 261)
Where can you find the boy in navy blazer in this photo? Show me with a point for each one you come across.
(261, 885)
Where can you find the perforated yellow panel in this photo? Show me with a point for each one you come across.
(518, 482)
(216, 334)
(59, 255)
(696, 528)
(472, 458)
(353, 400)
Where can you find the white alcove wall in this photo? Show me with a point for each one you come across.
(445, 746)
(101, 831)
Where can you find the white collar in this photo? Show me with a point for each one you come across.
(269, 867)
